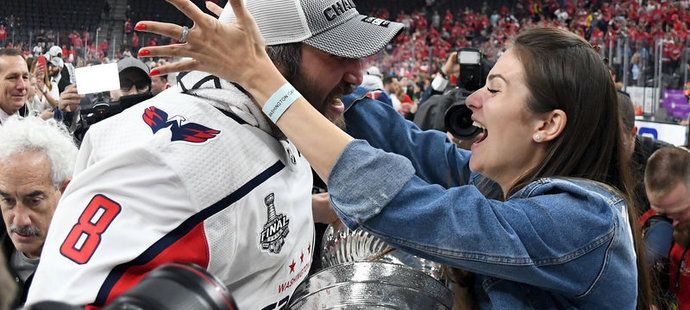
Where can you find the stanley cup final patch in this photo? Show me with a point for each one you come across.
(276, 228)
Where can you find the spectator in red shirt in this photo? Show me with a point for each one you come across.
(128, 26)
(135, 41)
(86, 36)
(78, 45)
(73, 37)
(103, 47)
(3, 35)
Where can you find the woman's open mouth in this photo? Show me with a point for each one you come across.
(482, 134)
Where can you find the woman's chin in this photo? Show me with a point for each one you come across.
(474, 166)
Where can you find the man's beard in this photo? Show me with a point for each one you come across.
(681, 235)
(306, 86)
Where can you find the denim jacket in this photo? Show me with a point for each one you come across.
(555, 244)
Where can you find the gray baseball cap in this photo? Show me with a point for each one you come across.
(134, 65)
(332, 26)
(131, 62)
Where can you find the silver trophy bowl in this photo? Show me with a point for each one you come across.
(371, 285)
(363, 272)
(342, 245)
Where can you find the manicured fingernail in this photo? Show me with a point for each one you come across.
(154, 72)
(140, 27)
(144, 52)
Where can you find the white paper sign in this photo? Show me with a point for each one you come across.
(96, 79)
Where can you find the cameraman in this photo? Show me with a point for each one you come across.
(442, 82)
(445, 110)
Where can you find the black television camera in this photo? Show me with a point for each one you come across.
(170, 286)
(474, 69)
(97, 107)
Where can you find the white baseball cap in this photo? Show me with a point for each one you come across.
(332, 26)
(374, 70)
(57, 62)
(54, 51)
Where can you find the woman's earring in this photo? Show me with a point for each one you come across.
(537, 138)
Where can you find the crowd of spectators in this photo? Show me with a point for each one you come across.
(430, 36)
(432, 33)
(619, 29)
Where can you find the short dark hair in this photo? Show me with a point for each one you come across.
(9, 52)
(388, 79)
(665, 168)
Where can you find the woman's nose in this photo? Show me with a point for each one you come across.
(475, 100)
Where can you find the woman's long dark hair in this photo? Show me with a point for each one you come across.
(563, 71)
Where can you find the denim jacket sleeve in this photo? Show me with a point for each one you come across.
(552, 235)
(557, 239)
(384, 128)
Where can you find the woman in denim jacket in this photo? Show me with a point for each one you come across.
(561, 237)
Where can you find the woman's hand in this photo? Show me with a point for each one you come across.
(235, 52)
(322, 210)
(40, 86)
(46, 115)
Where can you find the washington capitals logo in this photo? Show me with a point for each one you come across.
(276, 228)
(157, 119)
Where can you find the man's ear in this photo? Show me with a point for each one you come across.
(64, 184)
(550, 126)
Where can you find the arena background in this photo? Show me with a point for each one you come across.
(645, 42)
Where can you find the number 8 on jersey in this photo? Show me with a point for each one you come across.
(85, 236)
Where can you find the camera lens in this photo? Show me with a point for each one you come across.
(176, 286)
(458, 120)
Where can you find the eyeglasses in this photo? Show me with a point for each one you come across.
(141, 86)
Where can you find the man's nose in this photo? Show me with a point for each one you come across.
(21, 217)
(353, 71)
(22, 84)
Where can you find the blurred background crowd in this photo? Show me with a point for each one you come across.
(645, 42)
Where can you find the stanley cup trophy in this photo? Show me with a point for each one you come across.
(363, 272)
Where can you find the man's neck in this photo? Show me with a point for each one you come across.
(4, 115)
(23, 266)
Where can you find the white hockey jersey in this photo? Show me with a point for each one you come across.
(191, 175)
